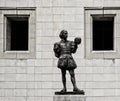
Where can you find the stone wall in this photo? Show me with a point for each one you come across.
(37, 79)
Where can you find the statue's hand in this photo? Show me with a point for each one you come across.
(77, 40)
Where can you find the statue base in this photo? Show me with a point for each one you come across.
(69, 97)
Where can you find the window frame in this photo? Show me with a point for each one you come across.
(5, 12)
(106, 11)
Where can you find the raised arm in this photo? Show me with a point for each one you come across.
(74, 45)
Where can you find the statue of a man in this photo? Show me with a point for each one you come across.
(63, 50)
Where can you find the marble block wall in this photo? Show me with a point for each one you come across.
(37, 79)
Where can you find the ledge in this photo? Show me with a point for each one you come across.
(102, 8)
(17, 8)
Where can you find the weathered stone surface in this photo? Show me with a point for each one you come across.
(69, 98)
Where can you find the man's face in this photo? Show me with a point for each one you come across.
(65, 35)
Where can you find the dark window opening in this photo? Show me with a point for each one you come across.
(17, 34)
(103, 33)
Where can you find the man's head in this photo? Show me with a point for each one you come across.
(63, 34)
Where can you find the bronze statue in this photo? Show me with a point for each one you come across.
(63, 50)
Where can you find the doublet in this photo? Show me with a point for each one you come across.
(63, 50)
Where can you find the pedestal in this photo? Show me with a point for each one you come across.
(69, 97)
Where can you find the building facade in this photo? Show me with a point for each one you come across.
(28, 67)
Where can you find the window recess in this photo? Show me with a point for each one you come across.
(103, 33)
(16, 33)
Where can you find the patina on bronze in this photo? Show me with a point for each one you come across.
(63, 50)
